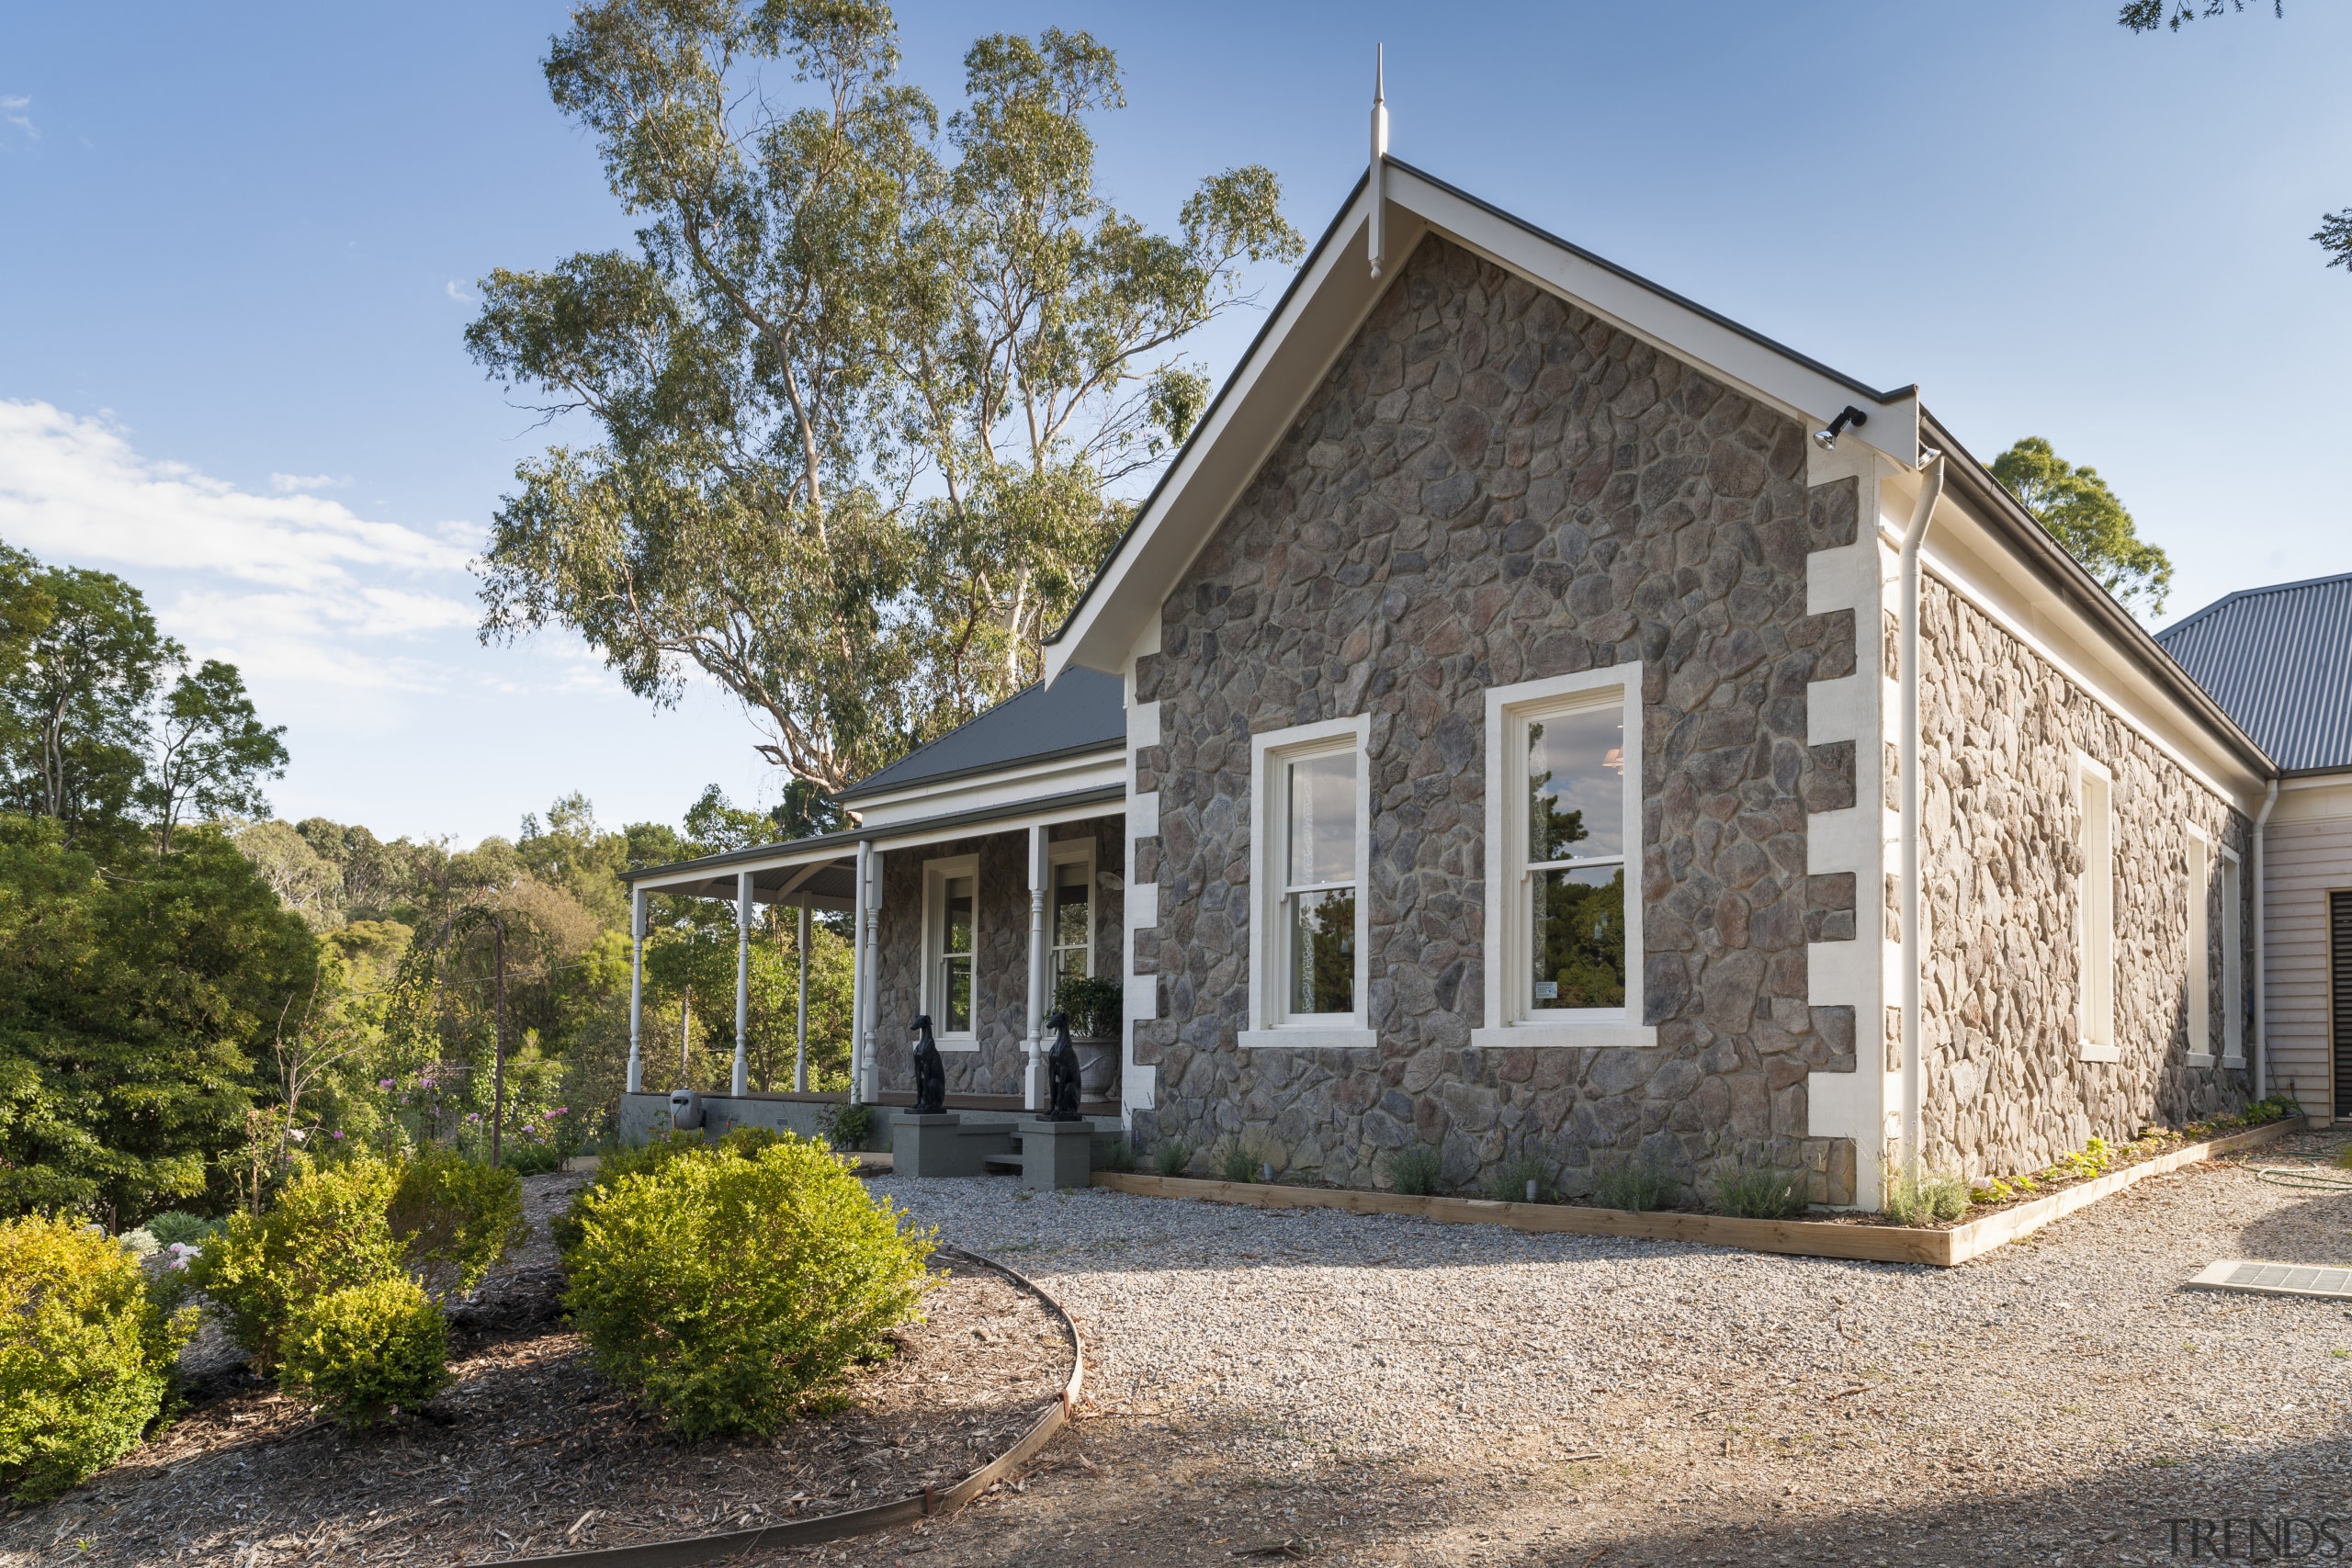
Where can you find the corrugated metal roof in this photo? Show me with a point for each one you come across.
(1085, 710)
(2279, 659)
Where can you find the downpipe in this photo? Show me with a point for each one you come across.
(2261, 982)
(1931, 489)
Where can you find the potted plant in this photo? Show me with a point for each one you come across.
(1094, 1008)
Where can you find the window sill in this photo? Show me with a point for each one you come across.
(950, 1044)
(1309, 1037)
(2102, 1054)
(1564, 1036)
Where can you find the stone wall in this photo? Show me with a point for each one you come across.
(2006, 1087)
(1000, 953)
(1489, 487)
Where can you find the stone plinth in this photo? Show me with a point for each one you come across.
(942, 1145)
(1057, 1154)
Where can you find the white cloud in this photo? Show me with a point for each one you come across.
(18, 112)
(74, 489)
(460, 292)
(291, 586)
(288, 484)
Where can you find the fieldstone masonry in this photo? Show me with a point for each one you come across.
(1491, 486)
(1000, 953)
(2008, 1089)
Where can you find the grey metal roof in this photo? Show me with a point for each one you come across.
(2279, 659)
(1083, 711)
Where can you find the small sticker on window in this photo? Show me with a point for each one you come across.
(1547, 990)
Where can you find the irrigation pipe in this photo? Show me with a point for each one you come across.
(2287, 1176)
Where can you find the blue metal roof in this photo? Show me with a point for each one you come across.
(2279, 660)
(1084, 710)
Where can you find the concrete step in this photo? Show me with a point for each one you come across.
(1003, 1162)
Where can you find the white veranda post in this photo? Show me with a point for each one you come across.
(636, 989)
(1033, 1089)
(861, 1086)
(742, 1081)
(801, 1030)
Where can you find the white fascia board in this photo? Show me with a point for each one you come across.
(1252, 415)
(1969, 558)
(1664, 322)
(1320, 316)
(986, 791)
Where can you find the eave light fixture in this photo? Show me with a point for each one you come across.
(1849, 415)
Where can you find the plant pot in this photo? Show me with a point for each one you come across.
(1098, 1065)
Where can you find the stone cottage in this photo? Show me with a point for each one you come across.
(1492, 735)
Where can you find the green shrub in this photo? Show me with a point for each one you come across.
(1093, 1004)
(1634, 1182)
(1760, 1191)
(366, 1351)
(647, 1157)
(734, 1292)
(1120, 1157)
(1520, 1176)
(847, 1126)
(327, 1229)
(1936, 1195)
(176, 1226)
(455, 1218)
(1413, 1170)
(1236, 1162)
(531, 1159)
(1170, 1157)
(86, 1355)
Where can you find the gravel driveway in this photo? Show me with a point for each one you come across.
(1269, 1385)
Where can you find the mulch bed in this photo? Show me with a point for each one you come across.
(531, 1451)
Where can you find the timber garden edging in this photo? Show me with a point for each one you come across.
(1805, 1238)
(924, 1505)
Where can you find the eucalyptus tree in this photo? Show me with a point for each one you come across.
(863, 385)
(2081, 512)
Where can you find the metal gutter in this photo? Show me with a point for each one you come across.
(1993, 501)
(848, 841)
(861, 790)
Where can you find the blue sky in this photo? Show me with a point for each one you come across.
(239, 242)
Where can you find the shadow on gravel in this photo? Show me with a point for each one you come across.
(2181, 1511)
(2318, 1230)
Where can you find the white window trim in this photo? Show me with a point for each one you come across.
(2093, 1050)
(1506, 954)
(1073, 851)
(2196, 980)
(1268, 751)
(2233, 965)
(936, 873)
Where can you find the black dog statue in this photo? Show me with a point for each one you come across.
(931, 1073)
(1061, 1073)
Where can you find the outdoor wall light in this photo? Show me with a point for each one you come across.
(1827, 439)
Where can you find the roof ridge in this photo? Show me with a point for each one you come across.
(943, 735)
(2226, 600)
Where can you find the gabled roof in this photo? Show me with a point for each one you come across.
(1081, 711)
(1319, 313)
(2279, 659)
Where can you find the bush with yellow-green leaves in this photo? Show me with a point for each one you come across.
(337, 1288)
(734, 1287)
(86, 1353)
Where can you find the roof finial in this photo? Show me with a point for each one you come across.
(1379, 154)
